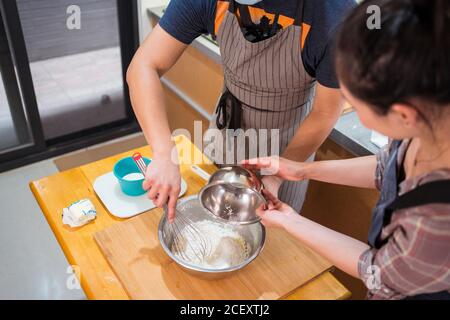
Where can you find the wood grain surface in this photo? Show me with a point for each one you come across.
(146, 272)
(97, 278)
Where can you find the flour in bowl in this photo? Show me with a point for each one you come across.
(226, 247)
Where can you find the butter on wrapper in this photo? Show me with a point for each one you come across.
(79, 213)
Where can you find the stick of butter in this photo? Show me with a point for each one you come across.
(79, 213)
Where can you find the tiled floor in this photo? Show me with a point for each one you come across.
(33, 265)
(73, 93)
(65, 80)
(79, 91)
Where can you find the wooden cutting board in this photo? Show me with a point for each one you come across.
(133, 251)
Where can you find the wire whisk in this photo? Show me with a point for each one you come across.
(186, 238)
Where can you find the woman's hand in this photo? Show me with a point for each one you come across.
(163, 184)
(278, 214)
(280, 167)
(272, 184)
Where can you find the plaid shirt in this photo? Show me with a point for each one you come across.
(416, 258)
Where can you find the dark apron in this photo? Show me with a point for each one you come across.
(390, 201)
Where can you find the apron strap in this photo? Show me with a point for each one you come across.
(389, 192)
(235, 121)
(432, 192)
(275, 24)
(232, 7)
(436, 192)
(300, 10)
(246, 18)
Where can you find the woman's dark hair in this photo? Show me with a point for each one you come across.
(407, 59)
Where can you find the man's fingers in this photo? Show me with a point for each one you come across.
(172, 206)
(163, 196)
(153, 193)
(146, 185)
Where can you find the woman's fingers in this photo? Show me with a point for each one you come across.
(274, 202)
(268, 217)
(269, 196)
(257, 163)
(272, 206)
(261, 211)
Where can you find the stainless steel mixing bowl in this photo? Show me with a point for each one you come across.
(238, 176)
(232, 203)
(254, 235)
(232, 195)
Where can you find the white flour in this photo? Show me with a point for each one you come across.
(227, 248)
(134, 177)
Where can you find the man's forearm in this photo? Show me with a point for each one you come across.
(146, 91)
(147, 98)
(306, 141)
(310, 136)
(327, 108)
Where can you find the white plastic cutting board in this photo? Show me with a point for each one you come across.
(119, 204)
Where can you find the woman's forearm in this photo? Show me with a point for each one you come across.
(339, 249)
(356, 172)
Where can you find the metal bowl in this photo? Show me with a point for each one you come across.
(232, 195)
(232, 203)
(254, 235)
(237, 176)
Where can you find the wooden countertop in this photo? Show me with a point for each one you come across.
(96, 276)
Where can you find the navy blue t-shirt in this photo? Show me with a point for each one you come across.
(185, 20)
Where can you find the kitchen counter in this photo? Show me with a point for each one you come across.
(192, 87)
(97, 277)
(348, 133)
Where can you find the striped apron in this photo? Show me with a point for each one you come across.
(266, 87)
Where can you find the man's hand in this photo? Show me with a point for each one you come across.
(163, 183)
